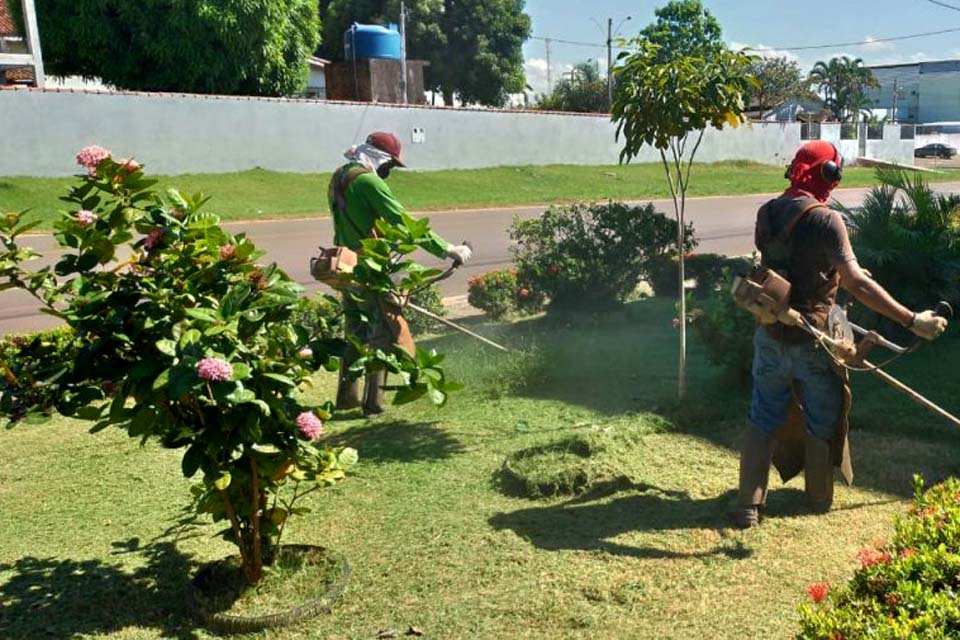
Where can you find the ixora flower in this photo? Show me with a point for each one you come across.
(153, 238)
(870, 557)
(86, 218)
(818, 591)
(306, 353)
(310, 426)
(130, 165)
(524, 293)
(227, 252)
(90, 158)
(214, 369)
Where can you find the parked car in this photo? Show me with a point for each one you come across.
(935, 150)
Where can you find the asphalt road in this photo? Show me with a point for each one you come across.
(723, 224)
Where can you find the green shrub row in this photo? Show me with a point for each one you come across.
(902, 590)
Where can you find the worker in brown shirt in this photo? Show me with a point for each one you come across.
(807, 242)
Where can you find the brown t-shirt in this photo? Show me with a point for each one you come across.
(819, 245)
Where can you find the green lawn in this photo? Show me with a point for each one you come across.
(434, 540)
(266, 194)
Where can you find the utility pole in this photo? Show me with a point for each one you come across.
(609, 64)
(403, 52)
(549, 68)
(896, 100)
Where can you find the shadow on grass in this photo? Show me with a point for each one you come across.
(582, 524)
(398, 441)
(585, 523)
(62, 598)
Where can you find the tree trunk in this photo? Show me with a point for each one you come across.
(681, 266)
(447, 97)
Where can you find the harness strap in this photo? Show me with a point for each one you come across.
(339, 185)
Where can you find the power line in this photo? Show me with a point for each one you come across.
(858, 43)
(944, 4)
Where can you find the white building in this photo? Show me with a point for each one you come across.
(918, 92)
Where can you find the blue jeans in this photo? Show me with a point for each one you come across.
(776, 366)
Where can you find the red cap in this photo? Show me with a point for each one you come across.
(388, 143)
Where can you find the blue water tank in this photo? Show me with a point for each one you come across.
(371, 41)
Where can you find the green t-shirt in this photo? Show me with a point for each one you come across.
(367, 198)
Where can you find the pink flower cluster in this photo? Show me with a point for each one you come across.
(306, 353)
(214, 369)
(310, 426)
(86, 218)
(227, 252)
(818, 591)
(90, 158)
(153, 238)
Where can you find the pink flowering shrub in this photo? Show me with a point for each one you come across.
(178, 334)
(903, 589)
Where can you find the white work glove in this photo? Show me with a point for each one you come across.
(928, 325)
(460, 253)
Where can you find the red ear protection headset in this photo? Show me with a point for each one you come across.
(831, 170)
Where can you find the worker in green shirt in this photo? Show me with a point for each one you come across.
(358, 198)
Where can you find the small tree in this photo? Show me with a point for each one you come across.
(666, 98)
(180, 337)
(778, 79)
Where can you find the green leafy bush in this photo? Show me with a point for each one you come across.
(178, 335)
(27, 361)
(321, 315)
(430, 299)
(592, 254)
(725, 329)
(902, 590)
(501, 293)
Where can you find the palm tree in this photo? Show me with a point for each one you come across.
(908, 236)
(843, 82)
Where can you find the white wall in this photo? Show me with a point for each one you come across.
(42, 131)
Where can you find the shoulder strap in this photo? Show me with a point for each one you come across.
(787, 231)
(341, 181)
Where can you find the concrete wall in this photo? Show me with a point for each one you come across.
(41, 132)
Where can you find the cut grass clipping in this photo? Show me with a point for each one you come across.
(580, 463)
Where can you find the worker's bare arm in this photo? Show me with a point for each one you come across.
(869, 293)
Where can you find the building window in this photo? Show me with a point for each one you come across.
(848, 132)
(875, 132)
(810, 131)
(908, 132)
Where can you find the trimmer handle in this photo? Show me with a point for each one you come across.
(944, 310)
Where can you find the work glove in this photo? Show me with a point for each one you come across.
(928, 325)
(460, 253)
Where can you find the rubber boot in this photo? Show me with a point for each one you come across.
(373, 394)
(755, 462)
(818, 474)
(348, 390)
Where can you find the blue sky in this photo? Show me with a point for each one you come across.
(777, 24)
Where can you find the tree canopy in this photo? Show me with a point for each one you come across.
(474, 47)
(249, 47)
(778, 79)
(684, 27)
